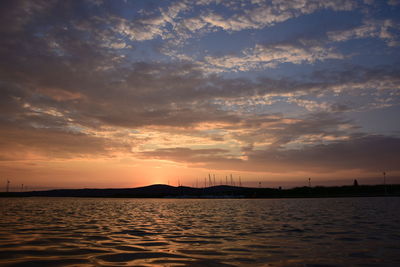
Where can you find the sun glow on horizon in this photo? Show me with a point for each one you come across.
(172, 91)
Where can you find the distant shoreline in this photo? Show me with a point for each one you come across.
(220, 192)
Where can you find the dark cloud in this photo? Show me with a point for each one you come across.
(366, 153)
(279, 131)
(322, 124)
(193, 156)
(15, 15)
(369, 153)
(33, 143)
(353, 79)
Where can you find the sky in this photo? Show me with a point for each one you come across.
(102, 94)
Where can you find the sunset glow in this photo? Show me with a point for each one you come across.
(115, 94)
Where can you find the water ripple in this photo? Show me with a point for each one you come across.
(190, 232)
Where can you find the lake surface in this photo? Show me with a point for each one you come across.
(200, 232)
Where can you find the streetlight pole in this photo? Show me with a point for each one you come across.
(384, 182)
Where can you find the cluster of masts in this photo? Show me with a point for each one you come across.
(213, 182)
(210, 181)
(8, 187)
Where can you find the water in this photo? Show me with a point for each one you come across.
(204, 232)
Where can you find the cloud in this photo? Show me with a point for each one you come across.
(177, 22)
(263, 14)
(382, 29)
(141, 30)
(269, 56)
(15, 15)
(151, 25)
(353, 79)
(370, 153)
(393, 2)
(25, 143)
(278, 131)
(180, 154)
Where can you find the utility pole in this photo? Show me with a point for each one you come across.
(309, 182)
(209, 180)
(226, 180)
(231, 180)
(240, 181)
(384, 182)
(214, 180)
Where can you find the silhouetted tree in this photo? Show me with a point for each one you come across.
(355, 183)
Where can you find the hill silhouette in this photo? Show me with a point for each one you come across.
(221, 191)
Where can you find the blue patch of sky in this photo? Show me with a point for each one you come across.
(222, 10)
(222, 43)
(281, 71)
(213, 131)
(285, 108)
(148, 51)
(384, 11)
(311, 26)
(75, 128)
(357, 99)
(136, 9)
(299, 72)
(279, 106)
(368, 52)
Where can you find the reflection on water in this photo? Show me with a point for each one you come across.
(190, 232)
